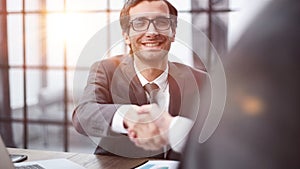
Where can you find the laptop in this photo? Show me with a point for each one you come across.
(6, 163)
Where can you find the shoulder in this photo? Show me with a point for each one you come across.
(110, 63)
(186, 70)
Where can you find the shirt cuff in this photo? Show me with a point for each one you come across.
(117, 122)
(178, 132)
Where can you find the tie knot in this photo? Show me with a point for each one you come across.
(151, 87)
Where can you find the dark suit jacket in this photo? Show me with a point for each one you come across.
(260, 126)
(113, 82)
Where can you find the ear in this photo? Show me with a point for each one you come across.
(126, 38)
(172, 36)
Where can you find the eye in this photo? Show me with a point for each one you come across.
(162, 22)
(140, 22)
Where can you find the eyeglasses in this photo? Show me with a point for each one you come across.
(142, 23)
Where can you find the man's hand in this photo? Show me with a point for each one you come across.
(148, 128)
(131, 117)
(146, 134)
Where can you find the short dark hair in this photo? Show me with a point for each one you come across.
(124, 15)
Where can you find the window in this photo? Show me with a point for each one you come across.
(42, 43)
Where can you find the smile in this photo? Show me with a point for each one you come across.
(151, 44)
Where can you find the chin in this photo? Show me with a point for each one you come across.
(155, 54)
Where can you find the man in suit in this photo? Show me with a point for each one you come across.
(260, 126)
(117, 105)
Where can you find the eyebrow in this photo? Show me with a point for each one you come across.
(144, 17)
(155, 14)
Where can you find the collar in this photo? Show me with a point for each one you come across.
(161, 80)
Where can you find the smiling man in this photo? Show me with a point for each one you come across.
(141, 104)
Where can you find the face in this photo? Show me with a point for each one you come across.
(152, 45)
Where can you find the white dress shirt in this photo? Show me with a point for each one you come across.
(179, 126)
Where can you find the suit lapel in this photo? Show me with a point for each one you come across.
(175, 89)
(136, 92)
(175, 97)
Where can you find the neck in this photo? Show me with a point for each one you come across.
(151, 74)
(151, 70)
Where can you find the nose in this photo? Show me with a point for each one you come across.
(151, 29)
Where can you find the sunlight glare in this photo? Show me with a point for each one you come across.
(62, 27)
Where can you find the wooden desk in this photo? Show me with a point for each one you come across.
(88, 161)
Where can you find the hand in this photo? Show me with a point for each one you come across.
(131, 116)
(147, 135)
(150, 131)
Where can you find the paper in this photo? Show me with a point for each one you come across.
(159, 164)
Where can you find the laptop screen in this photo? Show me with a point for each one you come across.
(4, 157)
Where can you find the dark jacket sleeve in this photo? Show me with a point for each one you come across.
(95, 110)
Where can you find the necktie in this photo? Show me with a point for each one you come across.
(152, 89)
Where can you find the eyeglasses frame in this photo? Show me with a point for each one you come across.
(151, 21)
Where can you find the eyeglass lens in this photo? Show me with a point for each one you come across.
(142, 24)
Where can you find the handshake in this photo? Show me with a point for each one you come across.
(148, 126)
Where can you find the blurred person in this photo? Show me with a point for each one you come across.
(116, 104)
(260, 126)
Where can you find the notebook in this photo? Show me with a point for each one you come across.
(6, 163)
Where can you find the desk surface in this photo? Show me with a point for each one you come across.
(88, 161)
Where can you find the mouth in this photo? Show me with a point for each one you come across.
(151, 44)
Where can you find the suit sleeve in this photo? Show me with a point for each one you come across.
(94, 113)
